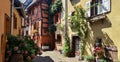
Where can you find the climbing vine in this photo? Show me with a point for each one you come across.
(79, 23)
(54, 8)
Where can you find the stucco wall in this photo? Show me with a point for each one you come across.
(19, 20)
(107, 29)
(114, 31)
(4, 8)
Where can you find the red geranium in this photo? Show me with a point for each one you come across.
(99, 52)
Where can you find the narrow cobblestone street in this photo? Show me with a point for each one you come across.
(54, 56)
(59, 31)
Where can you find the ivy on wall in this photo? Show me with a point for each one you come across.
(54, 8)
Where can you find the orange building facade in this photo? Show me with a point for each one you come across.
(5, 25)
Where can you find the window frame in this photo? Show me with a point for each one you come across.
(98, 8)
(15, 22)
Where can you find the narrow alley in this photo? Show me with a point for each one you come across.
(54, 56)
(59, 31)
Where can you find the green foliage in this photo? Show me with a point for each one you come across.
(56, 7)
(60, 26)
(52, 28)
(102, 60)
(22, 45)
(89, 58)
(100, 52)
(79, 23)
(82, 47)
(67, 49)
(12, 41)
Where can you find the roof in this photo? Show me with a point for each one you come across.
(33, 2)
(21, 11)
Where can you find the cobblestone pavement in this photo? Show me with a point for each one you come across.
(54, 56)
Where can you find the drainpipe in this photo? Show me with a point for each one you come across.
(11, 16)
(40, 26)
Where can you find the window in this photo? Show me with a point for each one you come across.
(46, 30)
(7, 24)
(26, 32)
(75, 1)
(97, 7)
(35, 26)
(93, 8)
(32, 11)
(36, 12)
(15, 22)
(56, 18)
(58, 39)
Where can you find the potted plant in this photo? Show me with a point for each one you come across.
(99, 52)
(67, 50)
(89, 58)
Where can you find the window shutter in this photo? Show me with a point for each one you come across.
(100, 7)
(106, 6)
(88, 8)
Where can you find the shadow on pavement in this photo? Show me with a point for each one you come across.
(42, 59)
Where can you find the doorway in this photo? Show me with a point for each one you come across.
(75, 45)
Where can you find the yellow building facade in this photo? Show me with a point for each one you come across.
(104, 26)
(107, 28)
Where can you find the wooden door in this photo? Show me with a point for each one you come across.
(75, 45)
(4, 36)
(3, 47)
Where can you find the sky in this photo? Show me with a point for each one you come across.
(22, 1)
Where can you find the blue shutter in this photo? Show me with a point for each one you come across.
(106, 6)
(88, 8)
